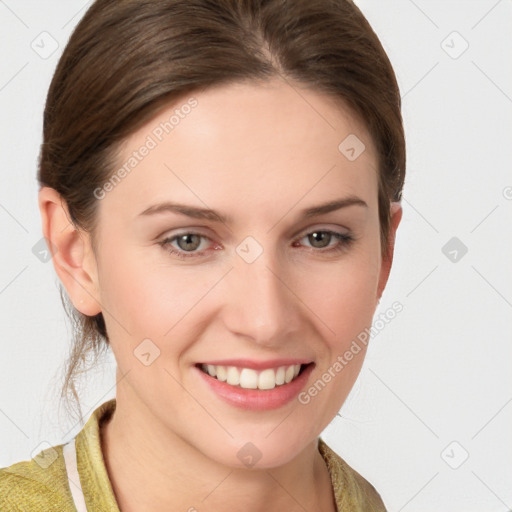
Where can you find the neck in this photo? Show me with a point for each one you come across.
(148, 474)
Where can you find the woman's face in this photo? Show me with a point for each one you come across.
(265, 287)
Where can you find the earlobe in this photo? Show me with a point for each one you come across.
(396, 217)
(72, 255)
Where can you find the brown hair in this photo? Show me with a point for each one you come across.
(128, 59)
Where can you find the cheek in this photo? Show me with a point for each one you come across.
(343, 296)
(149, 296)
(345, 310)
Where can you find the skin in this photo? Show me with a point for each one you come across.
(259, 153)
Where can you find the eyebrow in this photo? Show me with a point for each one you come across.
(208, 214)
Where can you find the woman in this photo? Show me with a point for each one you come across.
(220, 190)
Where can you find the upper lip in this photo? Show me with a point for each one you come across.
(257, 365)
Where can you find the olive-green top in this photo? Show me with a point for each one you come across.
(41, 484)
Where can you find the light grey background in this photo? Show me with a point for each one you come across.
(436, 385)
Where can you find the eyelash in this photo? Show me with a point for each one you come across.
(344, 242)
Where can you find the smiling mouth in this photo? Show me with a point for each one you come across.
(247, 378)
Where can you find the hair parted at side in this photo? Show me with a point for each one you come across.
(126, 60)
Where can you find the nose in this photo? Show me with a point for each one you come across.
(260, 303)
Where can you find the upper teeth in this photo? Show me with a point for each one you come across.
(252, 379)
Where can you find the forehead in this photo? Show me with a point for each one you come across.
(243, 141)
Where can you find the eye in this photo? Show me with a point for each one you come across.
(320, 239)
(188, 243)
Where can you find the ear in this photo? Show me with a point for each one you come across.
(396, 217)
(71, 251)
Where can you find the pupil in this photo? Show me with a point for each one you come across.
(319, 235)
(188, 244)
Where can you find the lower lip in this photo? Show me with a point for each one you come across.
(257, 399)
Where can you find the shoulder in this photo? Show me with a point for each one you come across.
(37, 484)
(43, 483)
(351, 490)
